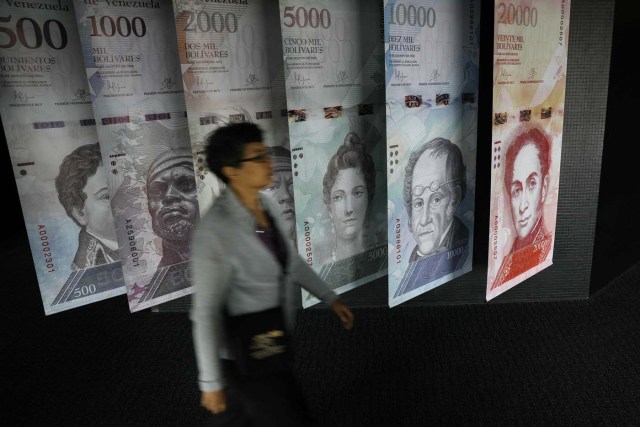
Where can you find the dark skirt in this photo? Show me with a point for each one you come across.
(270, 401)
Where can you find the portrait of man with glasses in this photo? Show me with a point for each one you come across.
(434, 187)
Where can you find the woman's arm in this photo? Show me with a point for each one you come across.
(210, 272)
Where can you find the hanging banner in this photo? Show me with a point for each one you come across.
(334, 78)
(130, 51)
(232, 71)
(52, 140)
(529, 78)
(431, 58)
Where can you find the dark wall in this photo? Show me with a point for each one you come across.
(11, 212)
(617, 232)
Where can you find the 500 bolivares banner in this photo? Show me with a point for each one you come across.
(53, 144)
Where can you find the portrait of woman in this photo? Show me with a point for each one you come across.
(348, 188)
(82, 190)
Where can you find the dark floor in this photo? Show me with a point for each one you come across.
(558, 363)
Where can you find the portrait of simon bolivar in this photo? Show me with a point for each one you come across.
(526, 184)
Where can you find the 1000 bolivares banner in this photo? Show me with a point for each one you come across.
(129, 51)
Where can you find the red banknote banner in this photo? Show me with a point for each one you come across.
(529, 74)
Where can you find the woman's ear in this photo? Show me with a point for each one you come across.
(230, 172)
(78, 214)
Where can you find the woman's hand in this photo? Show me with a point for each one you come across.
(343, 312)
(214, 401)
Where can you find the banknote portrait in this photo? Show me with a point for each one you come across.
(280, 191)
(348, 189)
(336, 123)
(82, 190)
(156, 205)
(339, 204)
(173, 203)
(431, 104)
(434, 187)
(526, 185)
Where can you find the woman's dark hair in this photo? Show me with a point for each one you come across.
(225, 146)
(75, 170)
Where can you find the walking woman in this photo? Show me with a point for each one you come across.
(242, 263)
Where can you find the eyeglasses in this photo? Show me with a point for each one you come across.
(262, 158)
(434, 186)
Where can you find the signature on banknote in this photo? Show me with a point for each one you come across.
(114, 86)
(399, 75)
(434, 75)
(203, 82)
(81, 94)
(167, 83)
(251, 80)
(21, 96)
(300, 79)
(342, 76)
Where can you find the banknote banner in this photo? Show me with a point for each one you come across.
(334, 77)
(431, 77)
(232, 71)
(529, 79)
(130, 55)
(55, 154)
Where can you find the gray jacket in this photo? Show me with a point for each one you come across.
(230, 264)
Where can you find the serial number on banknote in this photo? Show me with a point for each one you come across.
(135, 255)
(398, 242)
(495, 238)
(47, 253)
(307, 243)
